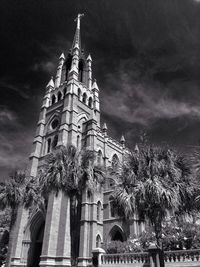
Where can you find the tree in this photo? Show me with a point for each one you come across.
(154, 183)
(72, 172)
(20, 189)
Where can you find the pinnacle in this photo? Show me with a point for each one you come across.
(105, 127)
(94, 85)
(89, 58)
(62, 56)
(136, 149)
(122, 140)
(50, 83)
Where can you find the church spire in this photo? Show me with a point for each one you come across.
(77, 36)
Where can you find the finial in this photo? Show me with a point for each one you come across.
(94, 85)
(89, 58)
(78, 20)
(50, 83)
(105, 127)
(122, 140)
(62, 56)
(136, 149)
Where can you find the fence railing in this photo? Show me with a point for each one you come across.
(179, 258)
(182, 256)
(126, 258)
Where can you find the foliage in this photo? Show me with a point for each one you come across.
(154, 182)
(123, 247)
(71, 171)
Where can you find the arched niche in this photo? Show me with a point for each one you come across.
(98, 241)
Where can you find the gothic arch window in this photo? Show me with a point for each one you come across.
(115, 161)
(117, 234)
(99, 157)
(68, 65)
(98, 211)
(59, 96)
(90, 102)
(53, 99)
(80, 70)
(79, 93)
(112, 210)
(78, 141)
(48, 145)
(55, 141)
(98, 241)
(65, 91)
(84, 98)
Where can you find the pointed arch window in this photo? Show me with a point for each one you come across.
(80, 70)
(59, 96)
(55, 141)
(99, 157)
(98, 211)
(115, 161)
(79, 93)
(98, 241)
(65, 91)
(90, 102)
(84, 98)
(53, 99)
(78, 141)
(48, 145)
(111, 208)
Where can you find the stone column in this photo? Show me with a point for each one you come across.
(56, 249)
(96, 256)
(18, 235)
(84, 232)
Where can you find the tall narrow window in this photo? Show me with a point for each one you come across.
(79, 93)
(59, 96)
(48, 145)
(53, 99)
(64, 91)
(99, 158)
(98, 241)
(78, 141)
(84, 98)
(55, 141)
(115, 161)
(98, 211)
(112, 210)
(90, 102)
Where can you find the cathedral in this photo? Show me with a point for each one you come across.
(70, 114)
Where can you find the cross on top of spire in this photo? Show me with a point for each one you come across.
(77, 38)
(79, 16)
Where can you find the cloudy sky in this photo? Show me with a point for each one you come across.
(146, 59)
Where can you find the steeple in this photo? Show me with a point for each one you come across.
(76, 51)
(77, 36)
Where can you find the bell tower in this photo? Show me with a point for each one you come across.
(70, 114)
(70, 110)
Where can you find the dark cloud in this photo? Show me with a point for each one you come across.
(146, 59)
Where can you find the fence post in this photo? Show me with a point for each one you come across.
(96, 256)
(154, 255)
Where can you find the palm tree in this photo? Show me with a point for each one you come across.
(72, 172)
(20, 189)
(153, 183)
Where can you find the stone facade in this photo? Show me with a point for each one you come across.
(70, 114)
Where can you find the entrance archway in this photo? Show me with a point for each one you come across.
(37, 246)
(36, 230)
